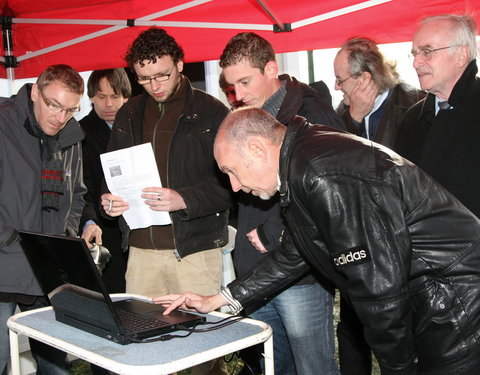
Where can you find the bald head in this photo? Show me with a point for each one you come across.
(247, 148)
(246, 122)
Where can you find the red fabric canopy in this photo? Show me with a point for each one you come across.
(382, 20)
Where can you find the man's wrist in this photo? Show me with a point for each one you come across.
(87, 223)
(233, 304)
(357, 119)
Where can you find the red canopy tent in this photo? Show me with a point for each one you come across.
(89, 34)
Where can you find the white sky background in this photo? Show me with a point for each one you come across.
(292, 63)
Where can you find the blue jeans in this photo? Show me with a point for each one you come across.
(303, 338)
(50, 361)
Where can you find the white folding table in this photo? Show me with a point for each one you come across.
(156, 358)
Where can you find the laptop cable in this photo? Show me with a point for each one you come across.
(215, 325)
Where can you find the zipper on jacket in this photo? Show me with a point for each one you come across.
(154, 143)
(177, 255)
(175, 251)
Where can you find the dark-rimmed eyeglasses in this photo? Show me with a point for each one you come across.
(57, 108)
(427, 53)
(161, 77)
(340, 81)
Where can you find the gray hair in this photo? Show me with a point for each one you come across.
(364, 56)
(464, 29)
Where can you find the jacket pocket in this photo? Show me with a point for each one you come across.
(440, 326)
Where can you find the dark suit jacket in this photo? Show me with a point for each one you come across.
(446, 146)
(97, 135)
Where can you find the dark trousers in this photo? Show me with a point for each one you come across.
(353, 350)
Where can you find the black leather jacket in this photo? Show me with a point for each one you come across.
(402, 250)
(192, 170)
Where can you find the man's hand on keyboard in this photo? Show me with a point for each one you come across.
(203, 304)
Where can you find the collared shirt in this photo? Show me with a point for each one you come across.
(378, 102)
(437, 104)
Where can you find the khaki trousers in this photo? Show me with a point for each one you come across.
(155, 273)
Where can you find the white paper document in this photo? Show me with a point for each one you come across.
(127, 172)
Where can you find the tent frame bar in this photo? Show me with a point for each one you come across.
(116, 25)
(9, 59)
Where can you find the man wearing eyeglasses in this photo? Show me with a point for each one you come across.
(41, 190)
(374, 98)
(440, 134)
(180, 122)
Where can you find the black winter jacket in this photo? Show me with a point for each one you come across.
(192, 170)
(447, 145)
(401, 249)
(20, 189)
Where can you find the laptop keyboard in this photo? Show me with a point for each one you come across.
(137, 323)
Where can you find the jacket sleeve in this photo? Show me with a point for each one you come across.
(351, 125)
(78, 192)
(8, 234)
(274, 272)
(271, 232)
(89, 212)
(208, 197)
(363, 227)
(320, 113)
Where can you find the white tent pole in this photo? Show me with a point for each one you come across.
(55, 47)
(10, 79)
(270, 13)
(112, 29)
(7, 41)
(141, 22)
(212, 71)
(147, 21)
(106, 31)
(338, 12)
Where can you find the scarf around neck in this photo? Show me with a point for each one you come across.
(52, 166)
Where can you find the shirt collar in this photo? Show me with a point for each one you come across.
(378, 102)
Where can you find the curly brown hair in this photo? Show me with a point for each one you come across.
(151, 45)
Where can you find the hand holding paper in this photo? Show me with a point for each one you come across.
(163, 199)
(127, 173)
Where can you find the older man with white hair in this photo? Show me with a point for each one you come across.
(440, 134)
